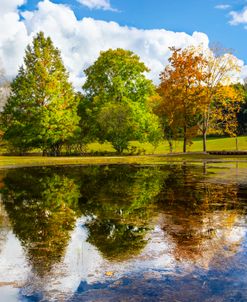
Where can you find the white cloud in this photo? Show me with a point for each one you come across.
(223, 6)
(238, 17)
(8, 6)
(13, 36)
(97, 4)
(244, 72)
(81, 41)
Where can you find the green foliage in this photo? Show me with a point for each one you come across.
(42, 109)
(117, 125)
(116, 92)
(42, 208)
(77, 143)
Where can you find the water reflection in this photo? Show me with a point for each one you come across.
(202, 218)
(42, 209)
(120, 204)
(85, 231)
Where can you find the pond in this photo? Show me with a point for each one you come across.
(175, 232)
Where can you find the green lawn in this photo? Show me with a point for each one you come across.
(163, 148)
(213, 144)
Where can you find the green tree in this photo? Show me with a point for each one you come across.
(77, 144)
(42, 108)
(117, 93)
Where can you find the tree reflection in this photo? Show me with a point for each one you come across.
(5, 226)
(200, 216)
(42, 208)
(120, 202)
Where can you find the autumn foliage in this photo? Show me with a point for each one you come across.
(197, 95)
(181, 92)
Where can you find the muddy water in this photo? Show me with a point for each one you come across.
(124, 233)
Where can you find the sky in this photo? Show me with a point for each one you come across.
(82, 28)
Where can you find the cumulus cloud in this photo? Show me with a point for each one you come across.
(97, 4)
(81, 41)
(13, 36)
(244, 73)
(238, 17)
(223, 6)
(8, 6)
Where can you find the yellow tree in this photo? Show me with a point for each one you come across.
(227, 104)
(221, 101)
(181, 92)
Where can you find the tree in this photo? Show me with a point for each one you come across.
(171, 131)
(42, 109)
(116, 93)
(221, 70)
(227, 104)
(117, 125)
(77, 143)
(180, 91)
(197, 93)
(242, 115)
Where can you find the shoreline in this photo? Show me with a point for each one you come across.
(7, 162)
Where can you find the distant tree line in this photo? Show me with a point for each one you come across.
(118, 104)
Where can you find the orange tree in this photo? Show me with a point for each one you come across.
(181, 91)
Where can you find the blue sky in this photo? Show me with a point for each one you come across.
(175, 15)
(83, 28)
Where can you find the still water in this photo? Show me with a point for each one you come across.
(124, 233)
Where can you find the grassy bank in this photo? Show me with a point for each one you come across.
(15, 161)
(159, 155)
(213, 143)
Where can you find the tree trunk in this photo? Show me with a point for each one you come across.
(56, 149)
(236, 143)
(119, 149)
(185, 140)
(170, 146)
(204, 140)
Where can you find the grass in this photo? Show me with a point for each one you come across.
(24, 161)
(154, 158)
(213, 143)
